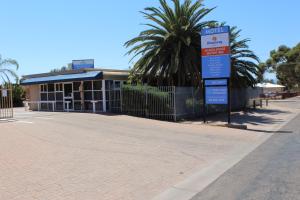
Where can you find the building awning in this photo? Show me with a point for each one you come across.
(89, 75)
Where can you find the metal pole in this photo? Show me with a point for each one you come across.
(229, 101)
(11, 101)
(204, 102)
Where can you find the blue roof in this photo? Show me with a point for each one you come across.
(90, 75)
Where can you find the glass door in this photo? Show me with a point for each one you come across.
(68, 96)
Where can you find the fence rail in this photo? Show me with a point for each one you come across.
(6, 103)
(174, 103)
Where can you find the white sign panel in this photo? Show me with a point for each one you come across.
(4, 93)
(214, 41)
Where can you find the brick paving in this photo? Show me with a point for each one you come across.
(53, 156)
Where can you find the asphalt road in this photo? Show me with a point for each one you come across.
(270, 172)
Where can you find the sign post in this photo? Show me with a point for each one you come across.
(216, 67)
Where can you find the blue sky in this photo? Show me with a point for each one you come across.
(42, 35)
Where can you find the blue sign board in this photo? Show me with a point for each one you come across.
(216, 95)
(82, 64)
(216, 66)
(219, 82)
(217, 30)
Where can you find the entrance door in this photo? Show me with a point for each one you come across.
(68, 96)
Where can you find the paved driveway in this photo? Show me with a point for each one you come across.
(85, 156)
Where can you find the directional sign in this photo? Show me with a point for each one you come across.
(215, 52)
(217, 95)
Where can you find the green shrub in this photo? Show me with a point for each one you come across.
(18, 95)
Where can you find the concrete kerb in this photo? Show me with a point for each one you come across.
(197, 182)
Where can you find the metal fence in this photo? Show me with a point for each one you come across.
(147, 101)
(173, 103)
(6, 102)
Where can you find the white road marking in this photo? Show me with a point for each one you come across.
(24, 122)
(48, 118)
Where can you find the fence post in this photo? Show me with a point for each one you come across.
(121, 98)
(147, 111)
(193, 96)
(261, 103)
(174, 96)
(11, 100)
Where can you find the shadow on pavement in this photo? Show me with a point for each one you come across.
(253, 117)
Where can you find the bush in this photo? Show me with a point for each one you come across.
(18, 95)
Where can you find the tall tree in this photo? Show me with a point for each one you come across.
(285, 61)
(245, 69)
(170, 48)
(7, 69)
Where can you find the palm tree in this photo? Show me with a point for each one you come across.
(245, 64)
(5, 69)
(170, 49)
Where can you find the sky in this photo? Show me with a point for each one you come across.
(48, 34)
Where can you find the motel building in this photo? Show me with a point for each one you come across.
(83, 89)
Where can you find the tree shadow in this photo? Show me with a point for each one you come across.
(254, 117)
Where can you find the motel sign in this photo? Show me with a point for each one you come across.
(216, 67)
(215, 53)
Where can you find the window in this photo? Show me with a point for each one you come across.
(59, 106)
(97, 85)
(109, 84)
(76, 86)
(51, 92)
(50, 87)
(77, 106)
(59, 96)
(98, 95)
(58, 87)
(44, 97)
(88, 96)
(87, 85)
(44, 88)
(112, 94)
(92, 91)
(117, 85)
(77, 96)
(51, 96)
